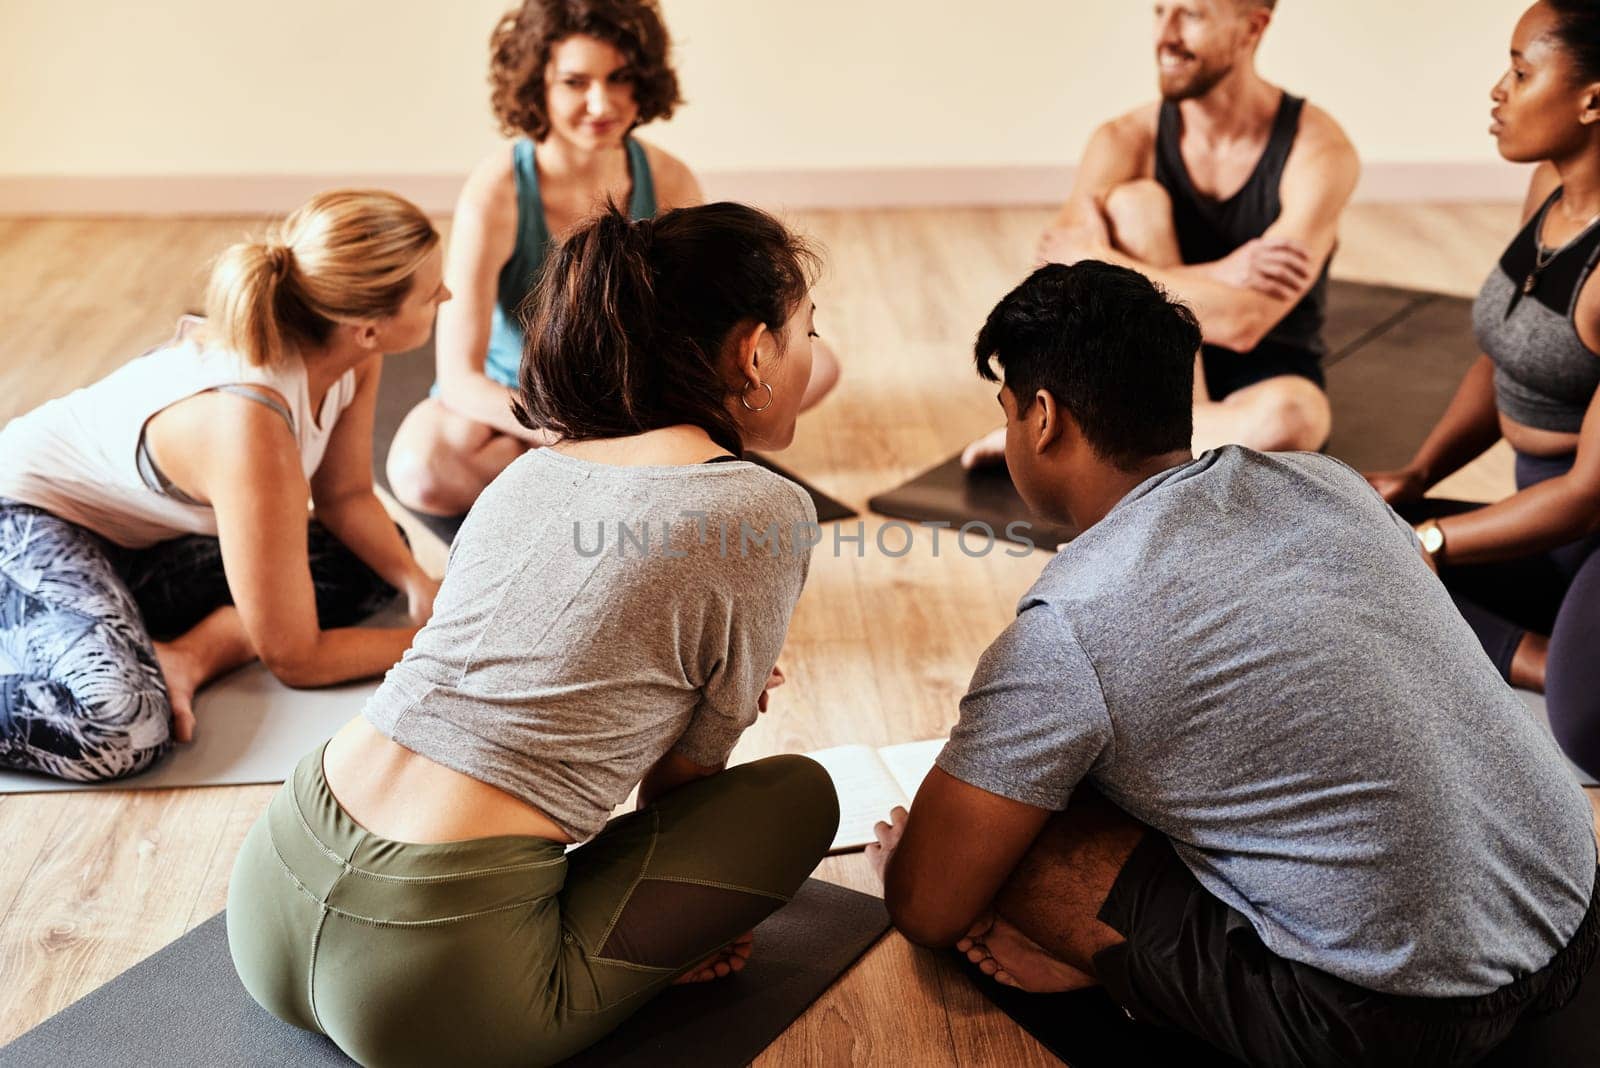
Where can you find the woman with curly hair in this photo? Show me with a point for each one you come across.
(571, 80)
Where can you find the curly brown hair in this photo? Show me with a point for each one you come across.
(519, 53)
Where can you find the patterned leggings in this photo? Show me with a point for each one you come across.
(81, 694)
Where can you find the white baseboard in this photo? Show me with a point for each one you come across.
(843, 188)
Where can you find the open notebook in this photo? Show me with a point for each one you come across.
(870, 782)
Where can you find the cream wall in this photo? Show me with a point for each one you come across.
(396, 88)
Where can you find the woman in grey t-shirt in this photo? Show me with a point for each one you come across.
(610, 617)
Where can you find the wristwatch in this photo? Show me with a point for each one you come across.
(1432, 536)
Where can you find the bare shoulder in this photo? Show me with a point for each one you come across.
(1321, 136)
(676, 185)
(207, 439)
(490, 192)
(1134, 131)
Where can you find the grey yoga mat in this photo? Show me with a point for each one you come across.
(407, 377)
(1395, 359)
(184, 1006)
(249, 728)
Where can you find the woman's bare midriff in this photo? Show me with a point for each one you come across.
(405, 797)
(1531, 441)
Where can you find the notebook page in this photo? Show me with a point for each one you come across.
(866, 791)
(910, 763)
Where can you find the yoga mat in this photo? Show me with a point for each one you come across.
(1388, 394)
(1395, 359)
(407, 377)
(249, 728)
(184, 1006)
(1086, 1029)
(950, 494)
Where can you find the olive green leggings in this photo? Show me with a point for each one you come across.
(508, 950)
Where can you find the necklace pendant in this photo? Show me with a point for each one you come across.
(1530, 283)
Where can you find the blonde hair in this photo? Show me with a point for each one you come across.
(345, 255)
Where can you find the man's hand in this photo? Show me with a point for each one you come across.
(1278, 267)
(879, 852)
(1086, 239)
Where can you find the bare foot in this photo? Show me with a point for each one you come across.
(1011, 958)
(184, 673)
(989, 449)
(723, 963)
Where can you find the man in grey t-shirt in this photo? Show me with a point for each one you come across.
(1238, 757)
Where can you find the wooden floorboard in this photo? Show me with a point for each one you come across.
(880, 649)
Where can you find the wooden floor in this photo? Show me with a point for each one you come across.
(880, 651)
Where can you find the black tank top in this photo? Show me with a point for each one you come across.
(1209, 229)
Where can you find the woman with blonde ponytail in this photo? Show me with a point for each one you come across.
(154, 527)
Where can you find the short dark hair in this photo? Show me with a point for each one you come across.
(519, 53)
(627, 325)
(1109, 345)
(1578, 33)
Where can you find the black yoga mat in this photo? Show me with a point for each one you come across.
(1395, 358)
(406, 380)
(1086, 1029)
(950, 494)
(1388, 393)
(184, 1006)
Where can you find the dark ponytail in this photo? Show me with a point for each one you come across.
(628, 324)
(1578, 31)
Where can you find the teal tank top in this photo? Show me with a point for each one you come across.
(533, 241)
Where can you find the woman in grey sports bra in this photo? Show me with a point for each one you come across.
(1524, 571)
(571, 80)
(153, 526)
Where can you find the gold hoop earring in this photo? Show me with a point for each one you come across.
(764, 407)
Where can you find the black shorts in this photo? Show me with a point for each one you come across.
(1228, 372)
(1192, 964)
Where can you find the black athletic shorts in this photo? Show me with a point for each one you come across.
(1193, 964)
(1228, 372)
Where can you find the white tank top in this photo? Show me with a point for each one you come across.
(77, 456)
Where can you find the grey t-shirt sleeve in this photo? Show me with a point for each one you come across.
(1358, 483)
(1034, 720)
(750, 622)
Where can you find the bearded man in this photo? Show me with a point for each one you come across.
(1227, 192)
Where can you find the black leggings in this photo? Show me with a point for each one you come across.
(1554, 593)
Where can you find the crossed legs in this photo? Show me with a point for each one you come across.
(1280, 413)
(1044, 930)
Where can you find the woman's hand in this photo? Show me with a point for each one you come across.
(1398, 487)
(420, 590)
(776, 679)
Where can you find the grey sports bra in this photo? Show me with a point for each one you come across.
(157, 481)
(1544, 375)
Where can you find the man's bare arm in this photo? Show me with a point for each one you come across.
(959, 846)
(1119, 151)
(1318, 179)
